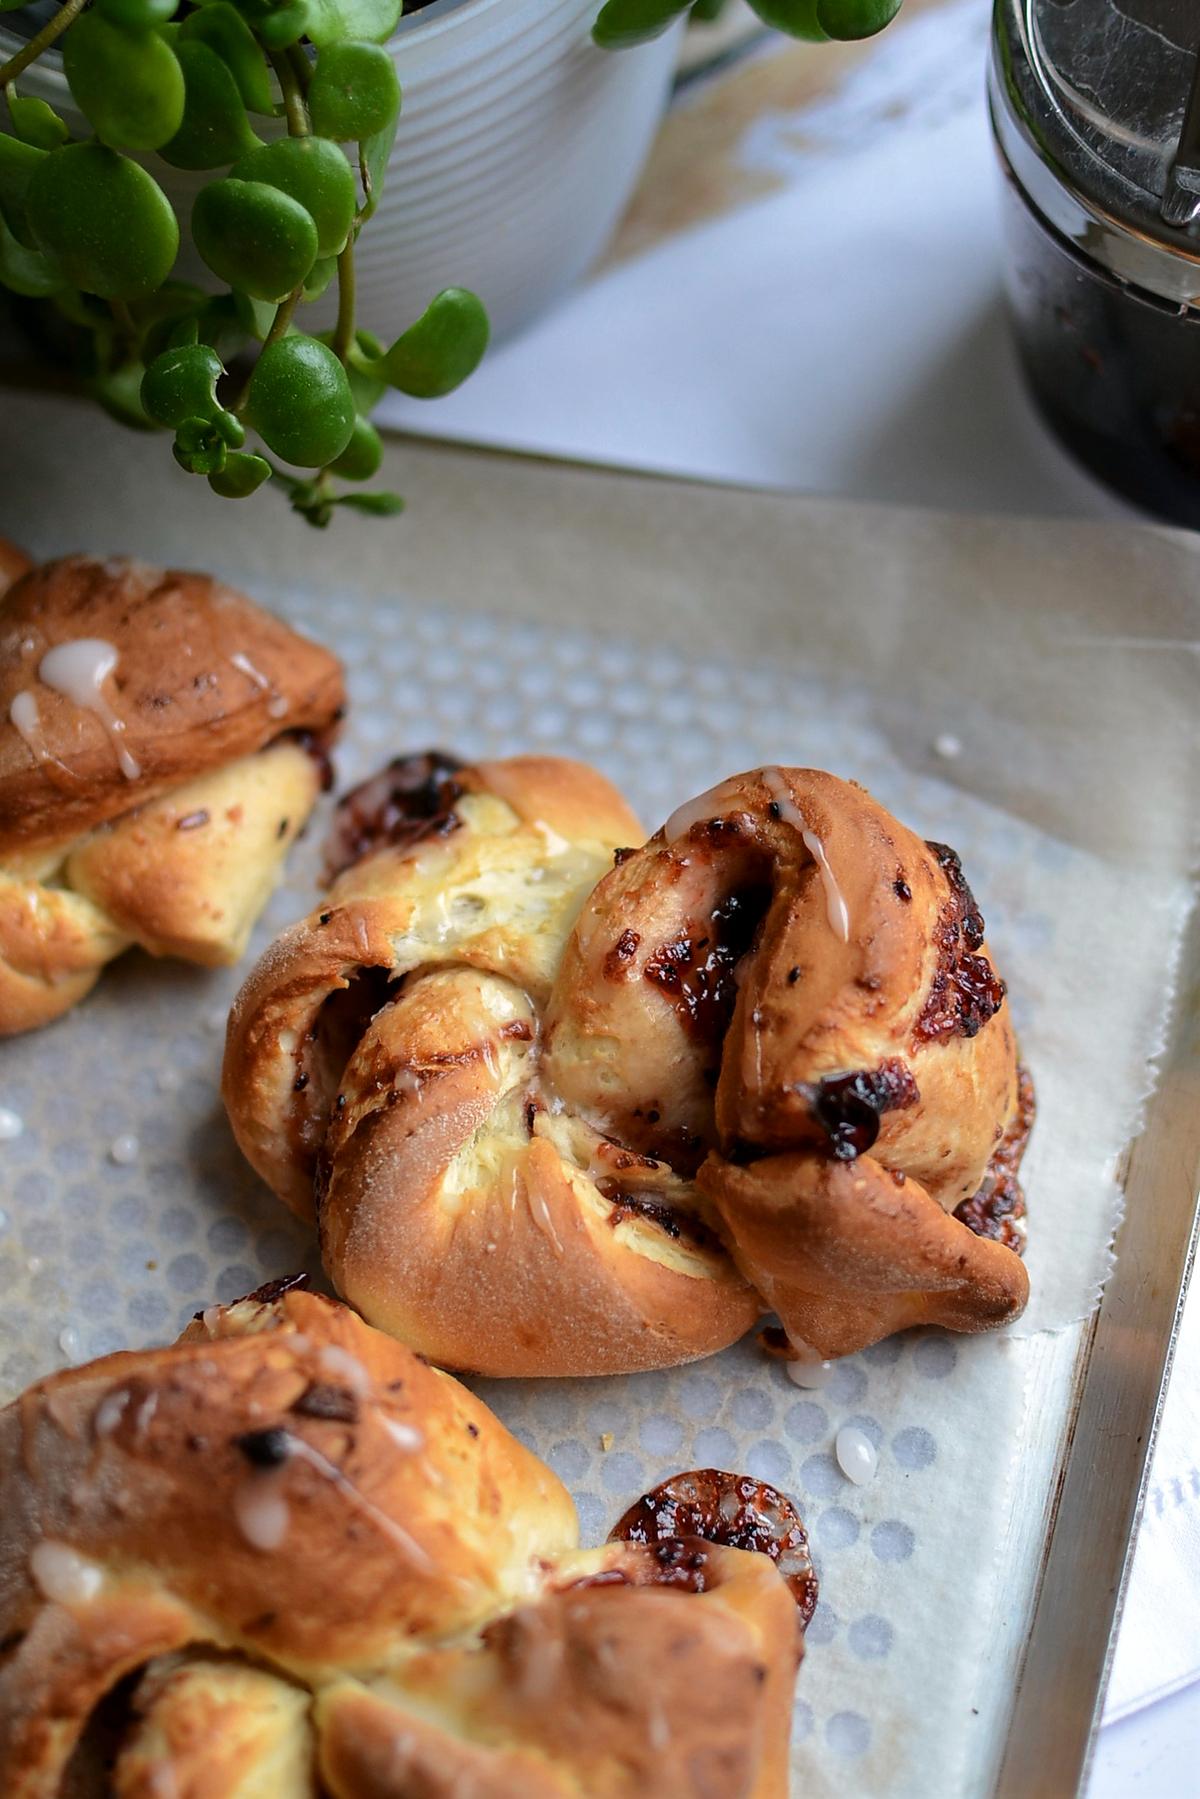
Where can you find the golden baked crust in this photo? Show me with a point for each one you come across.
(204, 676)
(321, 1554)
(564, 1117)
(457, 1210)
(13, 564)
(161, 814)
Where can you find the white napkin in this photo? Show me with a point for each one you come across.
(1158, 1650)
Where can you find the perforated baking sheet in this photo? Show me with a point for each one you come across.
(127, 1206)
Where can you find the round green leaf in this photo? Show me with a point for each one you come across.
(242, 475)
(319, 277)
(128, 83)
(215, 130)
(18, 162)
(199, 447)
(362, 455)
(24, 271)
(363, 367)
(381, 504)
(284, 26)
(136, 15)
(224, 30)
(847, 20)
(255, 237)
(444, 346)
(354, 92)
(370, 21)
(622, 23)
(118, 391)
(797, 17)
(36, 123)
(181, 384)
(299, 402)
(105, 220)
(313, 171)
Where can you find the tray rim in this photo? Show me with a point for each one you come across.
(1119, 1383)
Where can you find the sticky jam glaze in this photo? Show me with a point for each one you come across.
(998, 1209)
(697, 970)
(966, 990)
(851, 1106)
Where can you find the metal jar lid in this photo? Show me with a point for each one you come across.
(1096, 107)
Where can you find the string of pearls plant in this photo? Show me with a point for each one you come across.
(86, 229)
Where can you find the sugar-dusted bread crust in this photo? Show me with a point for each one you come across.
(186, 704)
(311, 1554)
(168, 832)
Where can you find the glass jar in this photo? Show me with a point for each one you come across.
(1095, 108)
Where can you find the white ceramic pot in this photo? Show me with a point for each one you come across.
(518, 147)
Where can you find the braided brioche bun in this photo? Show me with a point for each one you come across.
(566, 1105)
(287, 1551)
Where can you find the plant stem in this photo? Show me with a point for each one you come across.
(368, 187)
(300, 66)
(51, 30)
(294, 108)
(124, 320)
(279, 326)
(343, 335)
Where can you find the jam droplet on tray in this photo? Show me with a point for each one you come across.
(729, 1509)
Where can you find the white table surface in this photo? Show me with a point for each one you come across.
(845, 335)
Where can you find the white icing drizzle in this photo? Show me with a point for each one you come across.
(110, 1411)
(261, 1512)
(27, 723)
(694, 812)
(63, 1575)
(809, 1371)
(78, 670)
(276, 704)
(855, 1454)
(835, 903)
(556, 845)
(342, 1366)
(305, 1452)
(539, 1211)
(406, 1436)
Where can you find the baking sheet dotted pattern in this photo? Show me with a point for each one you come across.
(101, 1251)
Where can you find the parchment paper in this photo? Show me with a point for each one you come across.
(673, 635)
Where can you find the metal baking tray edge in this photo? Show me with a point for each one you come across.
(1119, 1383)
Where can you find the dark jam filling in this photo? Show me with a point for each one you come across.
(730, 1509)
(413, 797)
(851, 1106)
(966, 990)
(680, 1562)
(676, 1224)
(318, 745)
(998, 1209)
(696, 972)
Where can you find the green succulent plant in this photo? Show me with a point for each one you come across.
(291, 106)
